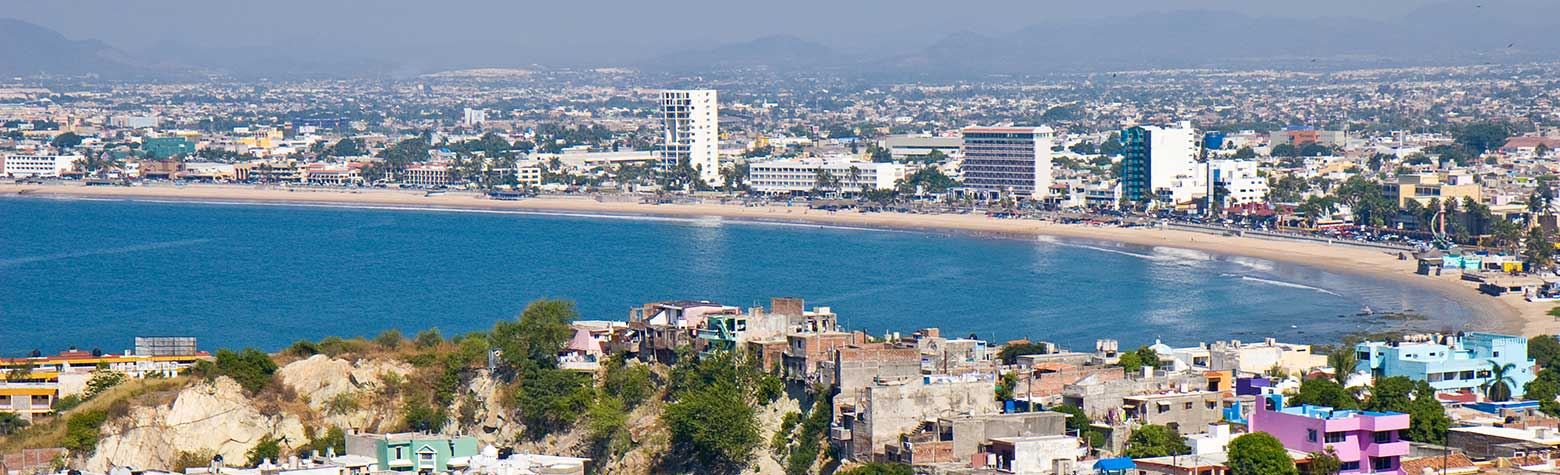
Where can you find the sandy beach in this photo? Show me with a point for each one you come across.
(1509, 314)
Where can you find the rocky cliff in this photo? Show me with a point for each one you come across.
(214, 416)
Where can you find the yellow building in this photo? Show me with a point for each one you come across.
(1427, 186)
(27, 400)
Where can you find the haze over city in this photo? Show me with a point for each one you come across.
(401, 37)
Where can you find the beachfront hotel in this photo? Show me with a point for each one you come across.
(1158, 163)
(800, 175)
(34, 165)
(1015, 160)
(690, 131)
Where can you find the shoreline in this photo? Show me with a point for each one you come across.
(1510, 314)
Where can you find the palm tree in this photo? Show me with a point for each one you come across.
(1498, 388)
(823, 181)
(1535, 206)
(1538, 251)
(1505, 235)
(1342, 360)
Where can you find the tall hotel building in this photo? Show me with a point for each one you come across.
(1011, 159)
(1155, 160)
(691, 132)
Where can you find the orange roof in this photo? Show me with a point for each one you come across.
(1053, 366)
(1455, 463)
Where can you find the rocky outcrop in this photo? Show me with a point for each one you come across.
(342, 392)
(214, 416)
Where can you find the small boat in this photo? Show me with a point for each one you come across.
(1365, 310)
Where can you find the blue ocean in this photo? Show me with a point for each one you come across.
(96, 273)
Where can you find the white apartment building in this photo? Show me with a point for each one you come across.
(471, 117)
(1161, 162)
(529, 175)
(133, 121)
(691, 132)
(801, 175)
(426, 174)
(1007, 159)
(1239, 178)
(21, 165)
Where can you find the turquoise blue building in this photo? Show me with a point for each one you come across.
(159, 148)
(1451, 363)
(412, 452)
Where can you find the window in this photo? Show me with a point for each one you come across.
(1310, 435)
(1383, 436)
(1336, 437)
(398, 454)
(1349, 466)
(1381, 463)
(1465, 375)
(1188, 406)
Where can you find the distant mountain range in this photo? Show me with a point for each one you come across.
(27, 50)
(1453, 33)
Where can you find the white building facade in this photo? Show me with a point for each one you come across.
(1239, 179)
(1007, 159)
(40, 166)
(690, 131)
(472, 117)
(801, 175)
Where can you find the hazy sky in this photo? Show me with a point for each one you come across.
(600, 32)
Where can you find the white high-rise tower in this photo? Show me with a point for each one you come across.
(691, 132)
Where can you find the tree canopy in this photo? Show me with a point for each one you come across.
(1427, 419)
(1259, 453)
(1324, 392)
(1155, 440)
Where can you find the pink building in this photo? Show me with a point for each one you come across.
(1366, 442)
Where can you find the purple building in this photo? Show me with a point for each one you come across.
(1366, 442)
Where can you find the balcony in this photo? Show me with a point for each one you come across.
(1388, 449)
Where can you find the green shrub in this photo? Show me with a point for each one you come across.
(713, 427)
(320, 444)
(251, 368)
(302, 349)
(268, 448)
(422, 417)
(877, 468)
(429, 338)
(342, 403)
(67, 403)
(605, 421)
(183, 460)
(550, 399)
(10, 423)
(336, 346)
(81, 431)
(629, 382)
(102, 380)
(389, 339)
